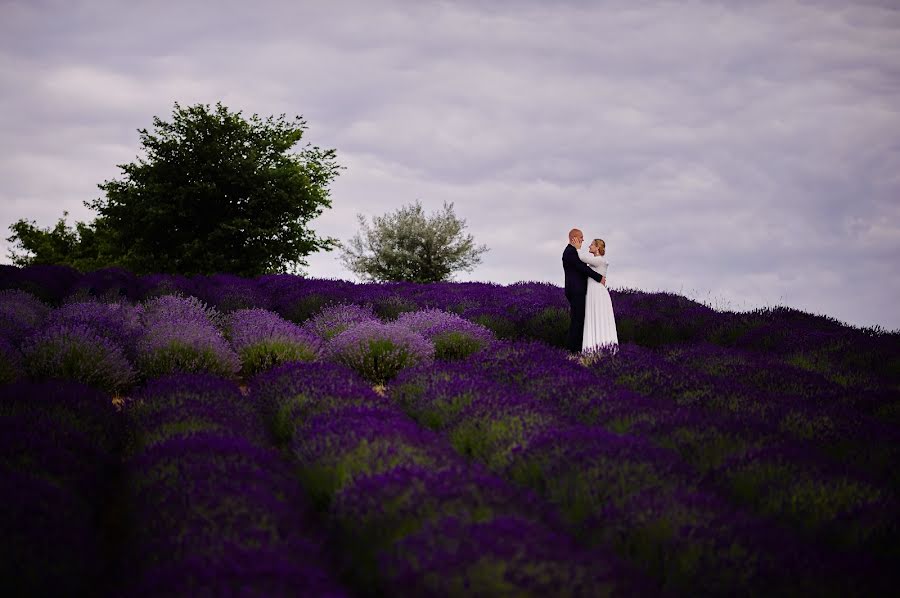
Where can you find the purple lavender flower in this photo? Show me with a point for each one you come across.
(379, 351)
(694, 541)
(68, 406)
(335, 319)
(792, 483)
(264, 339)
(20, 313)
(228, 293)
(435, 395)
(49, 283)
(335, 448)
(290, 394)
(220, 515)
(374, 512)
(113, 284)
(185, 404)
(505, 556)
(377, 510)
(119, 322)
(77, 352)
(179, 336)
(453, 336)
(582, 469)
(492, 427)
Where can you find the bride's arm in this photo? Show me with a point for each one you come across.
(591, 259)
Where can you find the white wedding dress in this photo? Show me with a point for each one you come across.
(599, 320)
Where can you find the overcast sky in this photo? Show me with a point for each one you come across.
(745, 154)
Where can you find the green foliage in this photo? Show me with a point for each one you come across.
(179, 357)
(266, 354)
(215, 192)
(219, 193)
(392, 307)
(408, 245)
(550, 325)
(455, 345)
(492, 440)
(501, 326)
(85, 247)
(71, 356)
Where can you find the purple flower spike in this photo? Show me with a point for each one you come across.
(263, 339)
(453, 336)
(179, 336)
(335, 319)
(77, 352)
(379, 351)
(20, 313)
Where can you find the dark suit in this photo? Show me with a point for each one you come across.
(577, 273)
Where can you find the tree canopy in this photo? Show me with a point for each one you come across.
(409, 245)
(215, 192)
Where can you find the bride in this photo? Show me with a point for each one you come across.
(599, 321)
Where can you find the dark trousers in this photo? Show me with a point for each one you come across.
(576, 321)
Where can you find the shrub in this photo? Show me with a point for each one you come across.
(335, 319)
(264, 339)
(379, 351)
(20, 313)
(288, 395)
(335, 448)
(453, 336)
(119, 322)
(179, 336)
(183, 404)
(549, 324)
(77, 352)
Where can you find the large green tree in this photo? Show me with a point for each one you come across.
(215, 192)
(410, 245)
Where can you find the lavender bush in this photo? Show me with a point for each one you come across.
(337, 447)
(180, 335)
(20, 313)
(335, 319)
(119, 322)
(185, 404)
(379, 351)
(290, 394)
(264, 339)
(453, 336)
(77, 352)
(216, 515)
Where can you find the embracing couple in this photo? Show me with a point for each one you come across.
(593, 324)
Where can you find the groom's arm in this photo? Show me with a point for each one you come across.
(571, 258)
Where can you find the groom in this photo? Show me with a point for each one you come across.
(577, 273)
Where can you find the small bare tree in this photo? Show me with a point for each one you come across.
(408, 245)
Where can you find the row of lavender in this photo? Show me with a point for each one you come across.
(113, 345)
(202, 504)
(848, 357)
(698, 499)
(209, 507)
(709, 444)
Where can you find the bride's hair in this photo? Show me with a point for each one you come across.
(601, 245)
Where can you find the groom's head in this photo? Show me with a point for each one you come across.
(576, 238)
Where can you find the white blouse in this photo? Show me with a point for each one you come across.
(597, 262)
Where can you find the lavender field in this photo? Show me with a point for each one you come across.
(284, 436)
